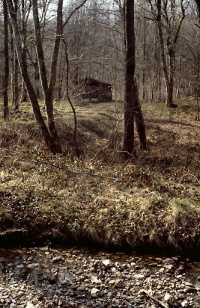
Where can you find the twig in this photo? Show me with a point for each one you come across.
(162, 304)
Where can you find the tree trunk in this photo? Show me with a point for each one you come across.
(25, 14)
(132, 106)
(162, 48)
(139, 120)
(170, 90)
(52, 82)
(16, 84)
(144, 73)
(48, 89)
(129, 96)
(37, 78)
(198, 8)
(170, 84)
(6, 63)
(24, 96)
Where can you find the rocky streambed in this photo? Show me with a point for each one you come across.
(46, 277)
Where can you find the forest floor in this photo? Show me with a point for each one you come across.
(151, 201)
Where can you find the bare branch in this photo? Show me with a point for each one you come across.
(72, 13)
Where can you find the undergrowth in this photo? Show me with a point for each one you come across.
(152, 200)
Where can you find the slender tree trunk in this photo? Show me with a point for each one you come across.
(139, 120)
(24, 96)
(60, 75)
(25, 13)
(168, 74)
(129, 96)
(16, 84)
(6, 63)
(132, 105)
(37, 78)
(162, 48)
(48, 89)
(15, 71)
(198, 8)
(144, 63)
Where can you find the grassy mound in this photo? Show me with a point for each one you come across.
(150, 202)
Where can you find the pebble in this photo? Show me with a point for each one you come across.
(167, 297)
(53, 278)
(94, 291)
(107, 262)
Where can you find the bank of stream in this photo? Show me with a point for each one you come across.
(79, 277)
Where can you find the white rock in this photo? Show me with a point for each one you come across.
(167, 297)
(168, 266)
(32, 265)
(107, 262)
(167, 261)
(29, 305)
(57, 259)
(114, 281)
(94, 292)
(184, 303)
(138, 276)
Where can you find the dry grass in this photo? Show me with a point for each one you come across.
(153, 200)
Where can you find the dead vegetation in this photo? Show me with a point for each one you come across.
(150, 201)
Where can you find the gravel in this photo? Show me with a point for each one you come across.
(46, 277)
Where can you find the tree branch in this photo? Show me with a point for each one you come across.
(72, 13)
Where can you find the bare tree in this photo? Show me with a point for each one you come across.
(169, 19)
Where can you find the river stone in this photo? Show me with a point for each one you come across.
(81, 288)
(94, 292)
(92, 283)
(32, 265)
(57, 259)
(107, 262)
(29, 305)
(139, 276)
(167, 297)
(167, 261)
(184, 303)
(197, 286)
